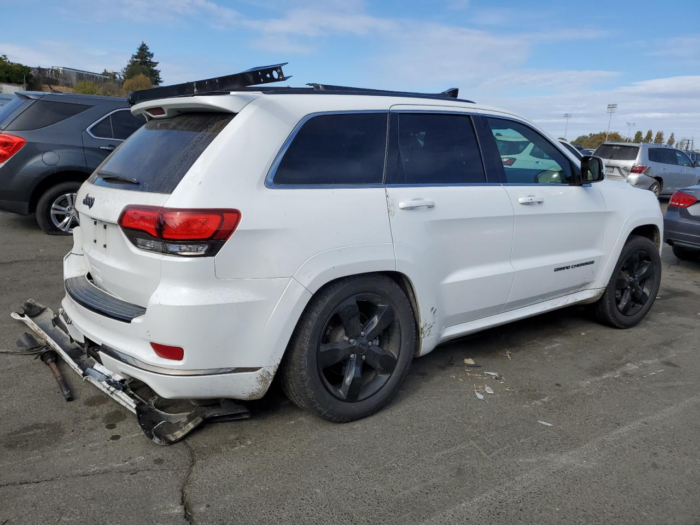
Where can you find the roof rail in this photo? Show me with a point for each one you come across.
(448, 93)
(251, 77)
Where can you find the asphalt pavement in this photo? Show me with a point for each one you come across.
(587, 424)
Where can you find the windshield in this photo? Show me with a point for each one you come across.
(158, 155)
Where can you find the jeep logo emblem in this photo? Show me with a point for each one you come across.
(89, 201)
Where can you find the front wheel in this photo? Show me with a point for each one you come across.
(351, 349)
(55, 211)
(633, 286)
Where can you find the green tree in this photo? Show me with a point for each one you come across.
(659, 138)
(141, 63)
(648, 136)
(86, 88)
(671, 140)
(114, 75)
(14, 73)
(137, 83)
(593, 140)
(638, 137)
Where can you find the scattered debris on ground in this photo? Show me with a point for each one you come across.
(545, 423)
(488, 389)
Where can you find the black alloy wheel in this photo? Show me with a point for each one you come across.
(635, 280)
(359, 346)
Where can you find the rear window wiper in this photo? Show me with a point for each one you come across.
(119, 178)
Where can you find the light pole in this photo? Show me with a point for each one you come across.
(567, 116)
(611, 110)
(630, 125)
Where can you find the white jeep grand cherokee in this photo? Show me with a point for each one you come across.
(331, 236)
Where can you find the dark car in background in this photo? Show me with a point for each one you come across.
(682, 223)
(50, 143)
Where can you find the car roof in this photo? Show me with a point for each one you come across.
(72, 97)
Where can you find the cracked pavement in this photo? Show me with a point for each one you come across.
(622, 446)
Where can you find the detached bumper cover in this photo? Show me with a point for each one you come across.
(161, 427)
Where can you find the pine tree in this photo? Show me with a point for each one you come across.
(659, 138)
(141, 63)
(671, 140)
(638, 137)
(648, 136)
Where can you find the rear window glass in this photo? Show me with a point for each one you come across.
(10, 107)
(157, 156)
(45, 113)
(615, 152)
(336, 149)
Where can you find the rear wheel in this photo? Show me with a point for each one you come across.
(633, 286)
(655, 188)
(55, 211)
(351, 349)
(686, 254)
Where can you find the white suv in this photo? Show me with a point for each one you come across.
(330, 236)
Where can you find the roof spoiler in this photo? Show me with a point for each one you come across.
(448, 93)
(251, 77)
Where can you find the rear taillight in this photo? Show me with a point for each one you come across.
(200, 232)
(508, 161)
(168, 352)
(638, 169)
(682, 200)
(9, 145)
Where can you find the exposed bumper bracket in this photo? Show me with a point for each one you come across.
(162, 427)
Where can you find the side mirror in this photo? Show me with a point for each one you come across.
(592, 169)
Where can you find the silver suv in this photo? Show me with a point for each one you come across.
(655, 167)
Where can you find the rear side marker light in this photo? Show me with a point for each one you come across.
(9, 145)
(183, 232)
(168, 352)
(638, 169)
(682, 200)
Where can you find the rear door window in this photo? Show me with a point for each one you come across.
(436, 149)
(663, 156)
(45, 113)
(119, 125)
(340, 149)
(160, 153)
(683, 159)
(616, 152)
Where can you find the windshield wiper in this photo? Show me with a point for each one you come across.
(120, 178)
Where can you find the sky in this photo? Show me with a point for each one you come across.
(536, 58)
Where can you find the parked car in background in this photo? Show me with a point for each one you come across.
(5, 98)
(575, 151)
(585, 151)
(682, 223)
(49, 145)
(655, 167)
(239, 236)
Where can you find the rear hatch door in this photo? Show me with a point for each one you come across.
(143, 170)
(619, 159)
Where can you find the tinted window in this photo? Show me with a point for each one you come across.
(161, 152)
(683, 159)
(103, 129)
(336, 149)
(615, 152)
(45, 113)
(437, 149)
(662, 155)
(124, 124)
(10, 107)
(534, 161)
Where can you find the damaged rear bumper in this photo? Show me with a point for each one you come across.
(162, 427)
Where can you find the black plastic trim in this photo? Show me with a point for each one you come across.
(91, 297)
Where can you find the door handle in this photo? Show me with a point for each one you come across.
(530, 199)
(416, 203)
(108, 148)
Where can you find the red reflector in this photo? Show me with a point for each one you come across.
(682, 200)
(180, 225)
(638, 169)
(156, 112)
(169, 352)
(9, 145)
(508, 161)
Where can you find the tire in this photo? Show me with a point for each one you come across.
(655, 188)
(58, 195)
(628, 298)
(368, 372)
(686, 254)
